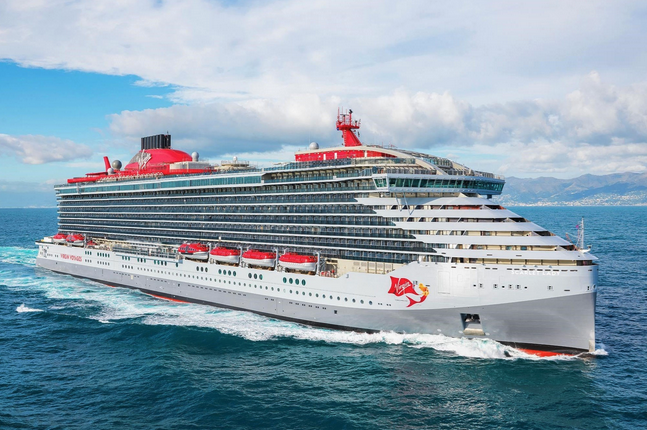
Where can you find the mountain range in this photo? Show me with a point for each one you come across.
(626, 189)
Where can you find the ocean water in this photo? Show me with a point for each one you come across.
(75, 354)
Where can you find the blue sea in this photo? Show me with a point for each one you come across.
(76, 354)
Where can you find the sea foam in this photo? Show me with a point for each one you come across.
(22, 308)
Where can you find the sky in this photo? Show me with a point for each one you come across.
(526, 89)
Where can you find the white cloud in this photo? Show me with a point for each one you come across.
(587, 129)
(33, 149)
(208, 50)
(252, 77)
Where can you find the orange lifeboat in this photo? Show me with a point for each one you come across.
(225, 255)
(254, 257)
(75, 239)
(196, 251)
(304, 263)
(59, 238)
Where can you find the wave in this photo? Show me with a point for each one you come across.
(22, 308)
(17, 255)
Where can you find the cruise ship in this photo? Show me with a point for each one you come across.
(354, 237)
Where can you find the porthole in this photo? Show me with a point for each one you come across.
(304, 293)
(317, 295)
(290, 291)
(272, 288)
(361, 301)
(260, 277)
(370, 302)
(291, 281)
(206, 269)
(345, 299)
(197, 269)
(229, 272)
(297, 293)
(338, 298)
(310, 294)
(234, 273)
(303, 282)
(353, 300)
(285, 280)
(249, 275)
(255, 276)
(219, 271)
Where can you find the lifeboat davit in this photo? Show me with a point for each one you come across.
(75, 239)
(225, 255)
(59, 238)
(196, 251)
(304, 263)
(254, 257)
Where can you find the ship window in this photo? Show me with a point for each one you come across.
(304, 293)
(317, 295)
(370, 302)
(229, 272)
(353, 300)
(261, 277)
(285, 280)
(234, 273)
(290, 291)
(345, 299)
(219, 271)
(338, 298)
(249, 275)
(291, 281)
(361, 301)
(206, 269)
(303, 282)
(255, 276)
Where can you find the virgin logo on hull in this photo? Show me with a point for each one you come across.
(404, 287)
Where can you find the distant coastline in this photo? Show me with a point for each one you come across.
(620, 189)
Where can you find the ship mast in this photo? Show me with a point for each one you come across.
(580, 237)
(346, 124)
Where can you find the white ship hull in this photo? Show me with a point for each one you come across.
(229, 259)
(545, 310)
(203, 256)
(303, 267)
(265, 262)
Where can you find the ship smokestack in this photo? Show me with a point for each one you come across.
(159, 141)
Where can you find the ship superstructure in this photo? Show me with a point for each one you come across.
(403, 240)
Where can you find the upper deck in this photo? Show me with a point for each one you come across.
(386, 169)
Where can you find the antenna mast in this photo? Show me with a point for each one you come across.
(580, 237)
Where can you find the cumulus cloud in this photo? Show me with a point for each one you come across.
(594, 123)
(209, 50)
(253, 77)
(33, 149)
